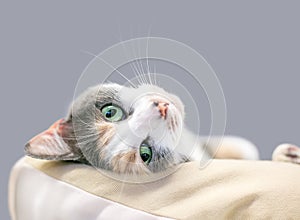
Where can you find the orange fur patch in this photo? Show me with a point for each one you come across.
(106, 132)
(127, 163)
(121, 163)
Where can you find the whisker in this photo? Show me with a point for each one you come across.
(142, 75)
(130, 63)
(140, 62)
(83, 127)
(155, 74)
(153, 81)
(87, 136)
(137, 68)
(83, 122)
(86, 141)
(147, 50)
(121, 74)
(147, 55)
(136, 73)
(147, 64)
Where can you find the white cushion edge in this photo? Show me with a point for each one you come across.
(33, 195)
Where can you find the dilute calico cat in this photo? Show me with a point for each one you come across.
(131, 130)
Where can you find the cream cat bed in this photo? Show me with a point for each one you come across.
(225, 189)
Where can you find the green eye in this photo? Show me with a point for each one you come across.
(146, 153)
(112, 113)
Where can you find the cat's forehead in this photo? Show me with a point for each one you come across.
(129, 94)
(124, 93)
(125, 96)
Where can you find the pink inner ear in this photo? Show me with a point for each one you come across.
(56, 126)
(49, 144)
(49, 133)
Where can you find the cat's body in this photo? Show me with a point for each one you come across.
(130, 130)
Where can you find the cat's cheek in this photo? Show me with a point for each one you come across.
(121, 162)
(106, 132)
(128, 162)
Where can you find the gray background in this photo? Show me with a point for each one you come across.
(252, 46)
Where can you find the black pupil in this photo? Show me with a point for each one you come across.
(145, 157)
(110, 113)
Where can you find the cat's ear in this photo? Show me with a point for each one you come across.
(56, 143)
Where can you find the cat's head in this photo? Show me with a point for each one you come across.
(118, 128)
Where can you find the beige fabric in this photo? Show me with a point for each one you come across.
(225, 189)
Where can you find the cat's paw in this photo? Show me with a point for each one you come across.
(287, 153)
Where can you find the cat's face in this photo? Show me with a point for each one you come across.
(126, 130)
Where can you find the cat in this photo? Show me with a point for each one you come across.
(133, 130)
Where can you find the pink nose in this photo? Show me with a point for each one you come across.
(162, 108)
